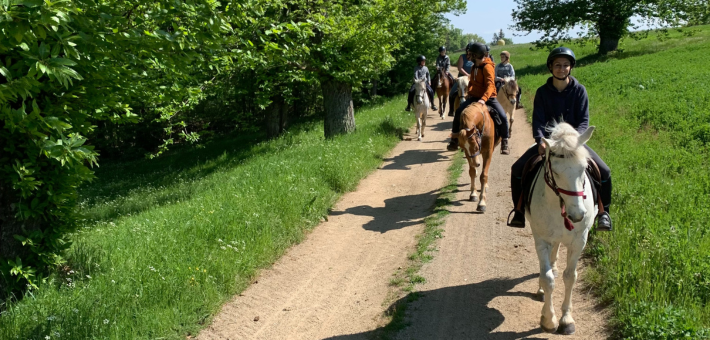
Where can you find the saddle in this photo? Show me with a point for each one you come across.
(496, 119)
(530, 176)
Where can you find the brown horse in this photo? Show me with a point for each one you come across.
(478, 140)
(507, 95)
(442, 85)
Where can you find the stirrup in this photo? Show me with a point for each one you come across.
(508, 220)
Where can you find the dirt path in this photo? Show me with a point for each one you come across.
(336, 281)
(481, 282)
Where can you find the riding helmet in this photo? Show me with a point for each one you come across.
(561, 52)
(478, 49)
(488, 48)
(442, 49)
(420, 59)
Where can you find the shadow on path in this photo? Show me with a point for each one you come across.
(398, 212)
(408, 158)
(459, 312)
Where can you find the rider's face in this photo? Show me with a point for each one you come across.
(423, 63)
(442, 53)
(561, 67)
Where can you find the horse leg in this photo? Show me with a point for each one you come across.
(472, 173)
(511, 119)
(553, 257)
(484, 179)
(548, 320)
(423, 125)
(419, 126)
(570, 278)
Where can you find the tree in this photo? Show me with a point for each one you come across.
(498, 36)
(609, 20)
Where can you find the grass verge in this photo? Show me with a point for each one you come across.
(165, 242)
(406, 279)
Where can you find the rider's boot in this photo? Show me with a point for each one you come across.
(451, 105)
(433, 107)
(504, 149)
(603, 219)
(453, 145)
(516, 188)
(408, 108)
(604, 222)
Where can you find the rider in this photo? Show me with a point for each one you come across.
(489, 55)
(562, 97)
(481, 89)
(443, 62)
(505, 69)
(421, 72)
(464, 65)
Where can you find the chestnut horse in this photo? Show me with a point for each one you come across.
(442, 85)
(477, 139)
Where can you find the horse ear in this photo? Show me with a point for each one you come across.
(547, 147)
(584, 138)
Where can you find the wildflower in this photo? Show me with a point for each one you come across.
(223, 248)
(219, 240)
(197, 268)
(105, 321)
(47, 337)
(151, 268)
(112, 281)
(204, 270)
(88, 276)
(75, 310)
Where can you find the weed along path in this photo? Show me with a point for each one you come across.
(482, 280)
(336, 280)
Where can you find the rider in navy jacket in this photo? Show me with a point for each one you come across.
(567, 103)
(570, 106)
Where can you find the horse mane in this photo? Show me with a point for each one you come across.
(565, 141)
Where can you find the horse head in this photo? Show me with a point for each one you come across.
(511, 89)
(420, 90)
(566, 163)
(470, 137)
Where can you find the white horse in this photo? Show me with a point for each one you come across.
(507, 97)
(561, 210)
(421, 106)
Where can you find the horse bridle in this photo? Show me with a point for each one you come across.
(478, 134)
(550, 181)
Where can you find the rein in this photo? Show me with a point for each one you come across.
(478, 134)
(550, 181)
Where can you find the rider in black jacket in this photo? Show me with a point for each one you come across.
(561, 99)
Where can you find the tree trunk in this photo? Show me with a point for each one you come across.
(338, 105)
(608, 44)
(373, 91)
(276, 114)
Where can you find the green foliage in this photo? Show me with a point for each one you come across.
(166, 242)
(652, 123)
(457, 40)
(607, 20)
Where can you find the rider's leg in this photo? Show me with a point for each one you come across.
(516, 185)
(604, 220)
(518, 104)
(410, 98)
(430, 93)
(452, 98)
(504, 129)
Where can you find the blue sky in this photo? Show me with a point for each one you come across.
(496, 14)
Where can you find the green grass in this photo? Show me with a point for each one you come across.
(165, 242)
(651, 105)
(405, 280)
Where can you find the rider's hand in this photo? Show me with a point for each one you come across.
(480, 101)
(541, 148)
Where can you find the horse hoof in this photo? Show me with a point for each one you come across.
(473, 198)
(566, 329)
(548, 330)
(419, 139)
(482, 208)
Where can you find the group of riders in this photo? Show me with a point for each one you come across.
(561, 99)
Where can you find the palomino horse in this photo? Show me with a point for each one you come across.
(477, 139)
(442, 86)
(421, 106)
(561, 188)
(462, 84)
(507, 97)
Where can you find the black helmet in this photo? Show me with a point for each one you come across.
(477, 49)
(488, 48)
(420, 59)
(442, 49)
(468, 47)
(561, 52)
